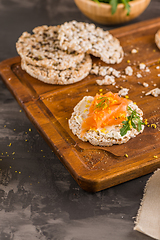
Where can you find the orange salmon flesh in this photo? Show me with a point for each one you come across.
(105, 110)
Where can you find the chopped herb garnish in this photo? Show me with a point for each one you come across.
(132, 121)
(114, 4)
(103, 103)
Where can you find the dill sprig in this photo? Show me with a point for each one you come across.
(132, 121)
(103, 103)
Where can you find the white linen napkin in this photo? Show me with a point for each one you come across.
(148, 217)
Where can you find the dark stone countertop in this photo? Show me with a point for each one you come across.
(38, 197)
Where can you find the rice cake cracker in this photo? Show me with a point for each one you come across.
(42, 49)
(107, 136)
(85, 37)
(157, 38)
(61, 77)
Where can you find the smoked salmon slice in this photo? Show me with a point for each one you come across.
(105, 110)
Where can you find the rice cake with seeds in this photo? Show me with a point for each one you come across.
(157, 38)
(85, 37)
(61, 77)
(106, 136)
(42, 49)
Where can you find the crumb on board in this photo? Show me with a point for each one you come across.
(108, 80)
(145, 84)
(139, 75)
(142, 66)
(134, 50)
(147, 69)
(128, 71)
(123, 92)
(154, 92)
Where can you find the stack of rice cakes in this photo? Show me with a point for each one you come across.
(61, 54)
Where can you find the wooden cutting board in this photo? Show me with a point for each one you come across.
(50, 106)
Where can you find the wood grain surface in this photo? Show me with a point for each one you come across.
(50, 106)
